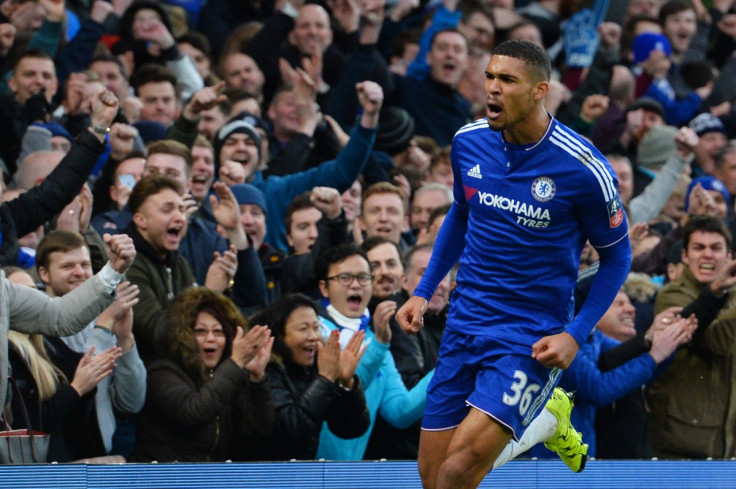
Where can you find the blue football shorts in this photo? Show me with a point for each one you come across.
(490, 375)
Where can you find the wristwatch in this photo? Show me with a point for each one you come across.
(101, 130)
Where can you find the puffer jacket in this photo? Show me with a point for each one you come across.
(193, 414)
(186, 422)
(304, 400)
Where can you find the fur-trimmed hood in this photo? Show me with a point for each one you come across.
(183, 312)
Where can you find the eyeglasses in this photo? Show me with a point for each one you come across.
(345, 279)
(203, 332)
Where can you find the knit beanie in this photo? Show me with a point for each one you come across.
(395, 130)
(656, 147)
(253, 120)
(646, 42)
(235, 126)
(646, 103)
(246, 193)
(708, 183)
(150, 131)
(697, 73)
(705, 123)
(57, 129)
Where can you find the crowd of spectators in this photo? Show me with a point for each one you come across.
(282, 168)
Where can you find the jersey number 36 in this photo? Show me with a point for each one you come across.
(523, 394)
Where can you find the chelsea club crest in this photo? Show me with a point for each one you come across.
(543, 189)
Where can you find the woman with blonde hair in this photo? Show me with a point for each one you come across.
(47, 394)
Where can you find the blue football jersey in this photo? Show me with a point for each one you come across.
(531, 210)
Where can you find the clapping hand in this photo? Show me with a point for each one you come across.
(252, 350)
(93, 368)
(350, 358)
(222, 270)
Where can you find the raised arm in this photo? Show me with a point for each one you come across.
(42, 202)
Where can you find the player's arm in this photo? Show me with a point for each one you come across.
(615, 262)
(559, 350)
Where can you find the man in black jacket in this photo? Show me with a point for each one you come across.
(33, 208)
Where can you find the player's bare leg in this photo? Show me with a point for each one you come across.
(432, 452)
(472, 450)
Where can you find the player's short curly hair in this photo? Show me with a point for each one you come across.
(532, 54)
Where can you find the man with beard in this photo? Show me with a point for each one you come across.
(414, 355)
(385, 259)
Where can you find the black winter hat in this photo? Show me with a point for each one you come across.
(126, 21)
(395, 130)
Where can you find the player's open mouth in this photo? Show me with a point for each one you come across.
(494, 110)
(199, 178)
(707, 266)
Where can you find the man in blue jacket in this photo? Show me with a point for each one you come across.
(238, 141)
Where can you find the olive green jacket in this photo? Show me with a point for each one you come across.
(693, 403)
